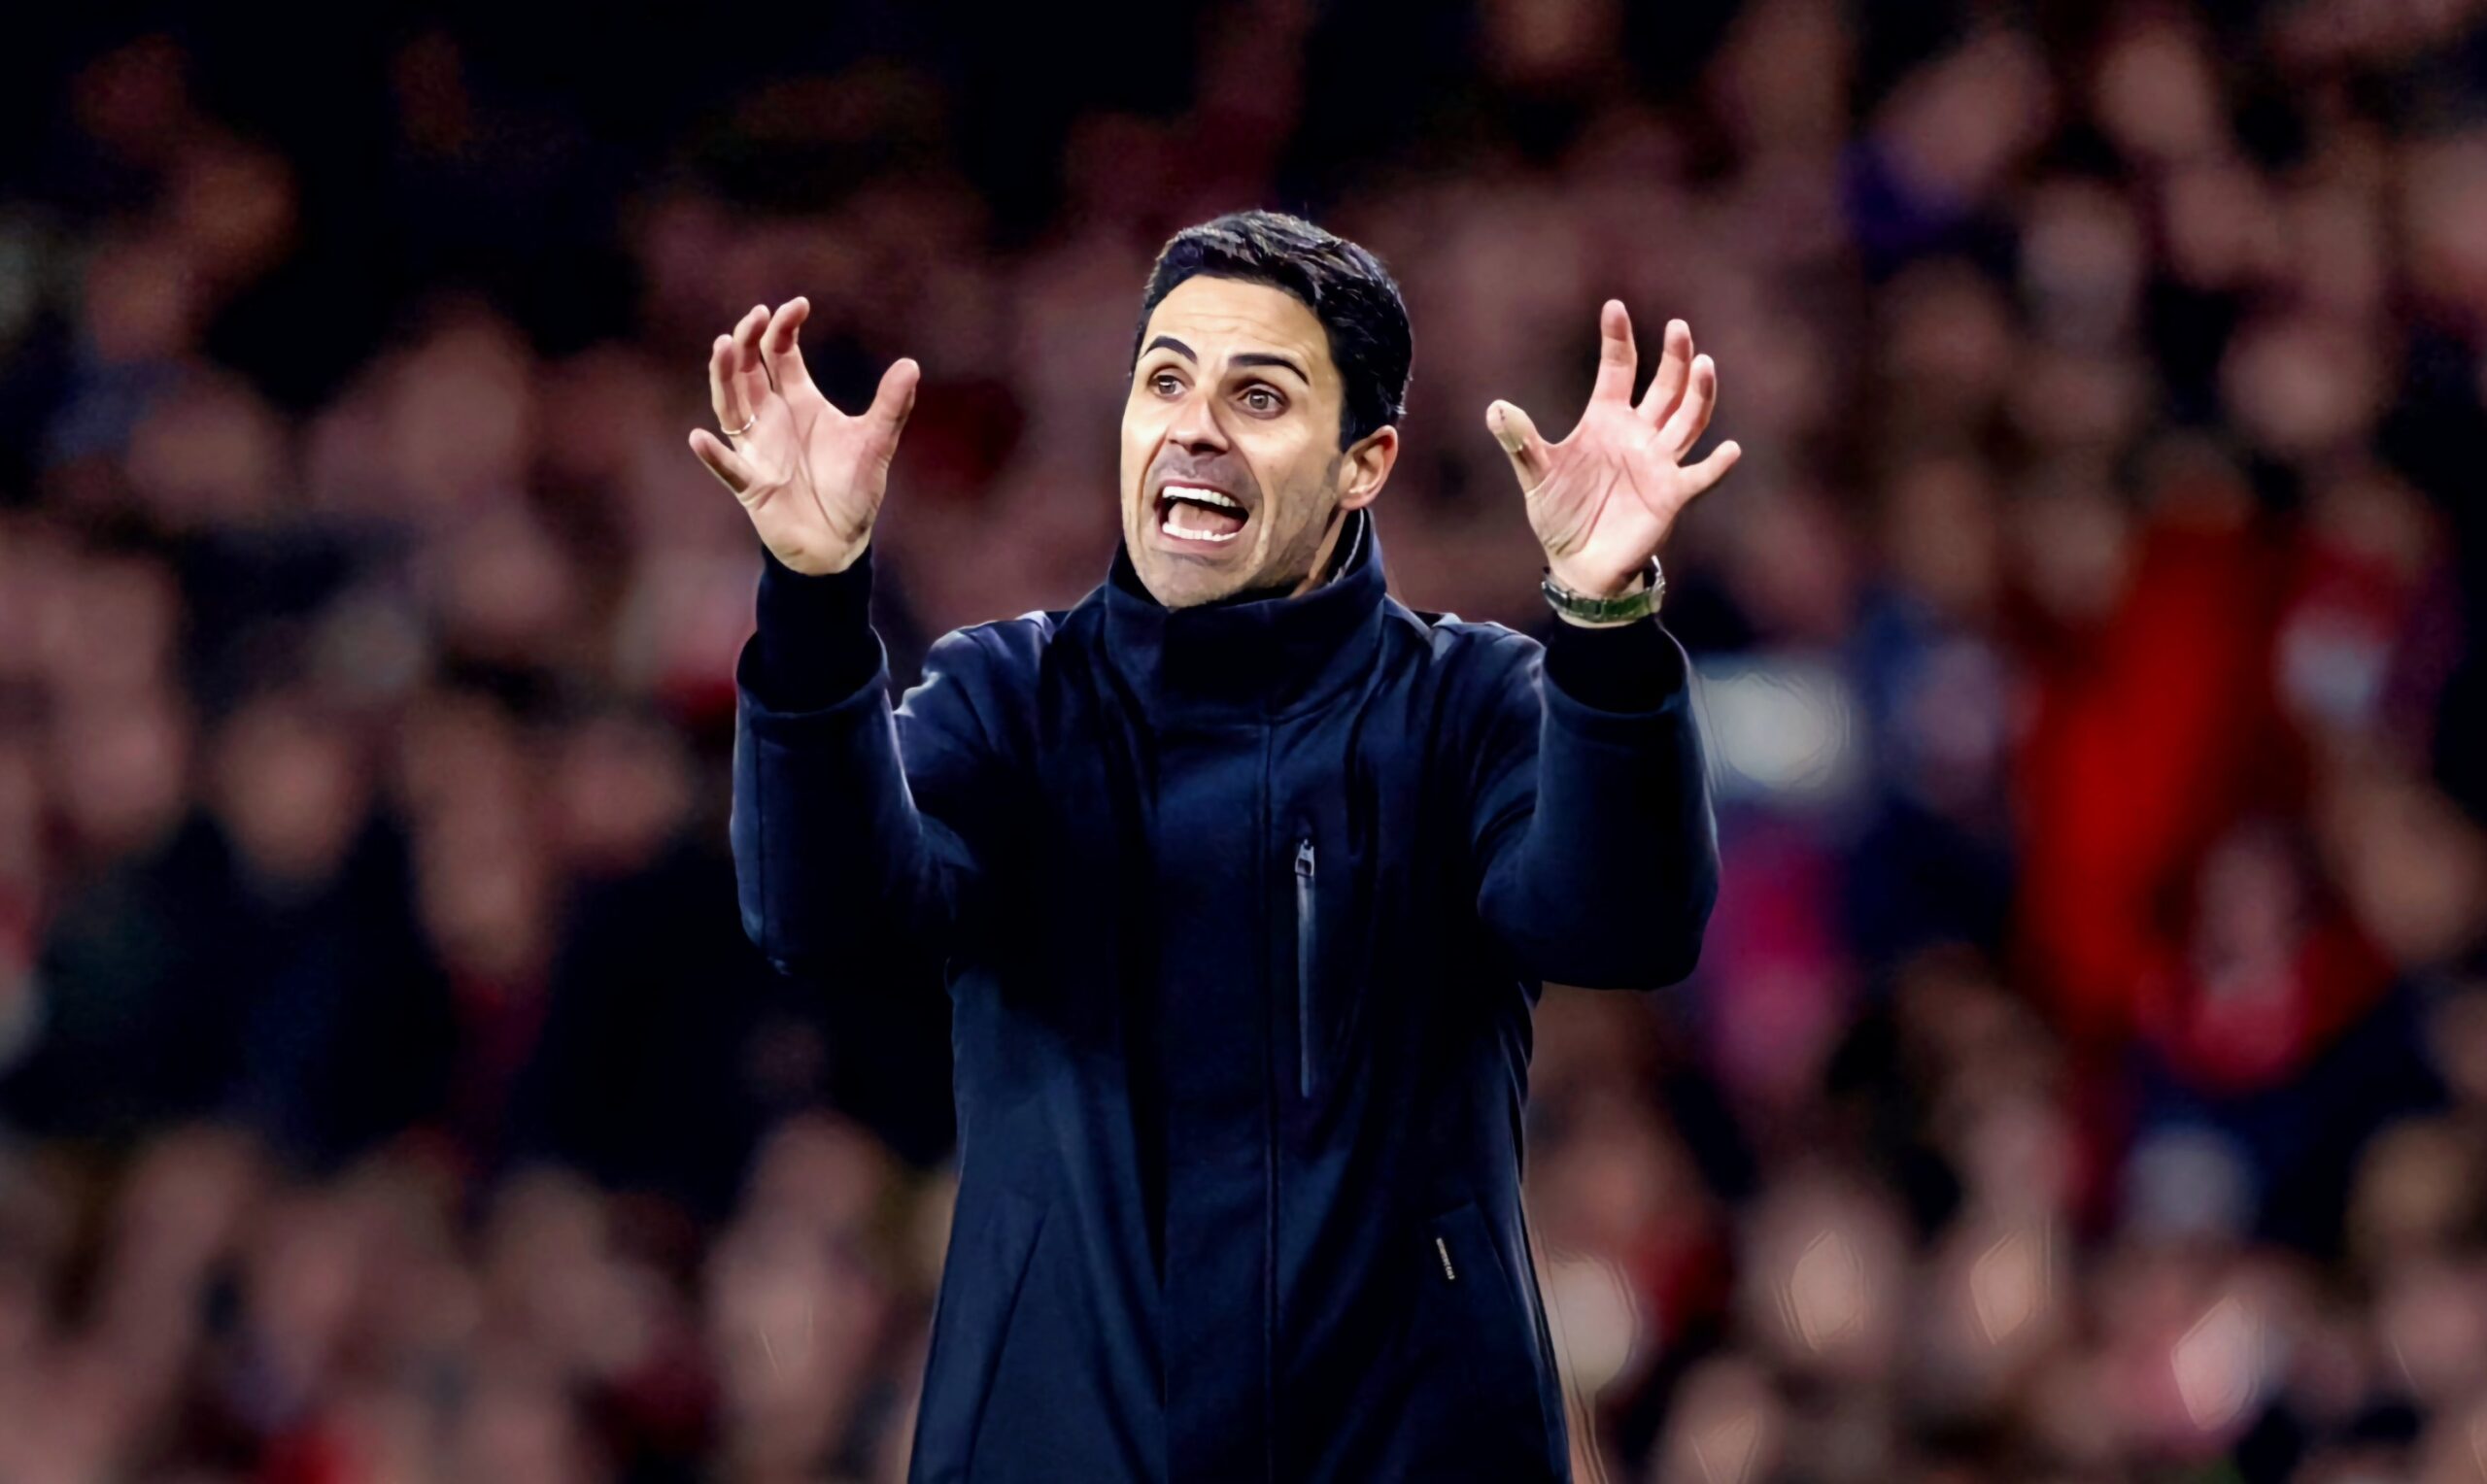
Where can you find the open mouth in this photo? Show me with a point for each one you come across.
(1195, 513)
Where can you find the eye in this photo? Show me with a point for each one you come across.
(1159, 380)
(1269, 401)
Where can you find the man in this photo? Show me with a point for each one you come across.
(1243, 877)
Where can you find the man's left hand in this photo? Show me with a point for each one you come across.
(1603, 499)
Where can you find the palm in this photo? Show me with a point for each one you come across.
(810, 477)
(1603, 499)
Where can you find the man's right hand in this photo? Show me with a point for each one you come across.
(810, 477)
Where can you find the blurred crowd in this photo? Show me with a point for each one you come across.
(2085, 1079)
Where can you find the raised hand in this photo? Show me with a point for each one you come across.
(1603, 499)
(810, 477)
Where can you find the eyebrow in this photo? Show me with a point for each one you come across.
(1241, 357)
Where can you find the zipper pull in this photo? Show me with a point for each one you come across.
(1304, 859)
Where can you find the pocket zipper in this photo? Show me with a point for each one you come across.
(1303, 863)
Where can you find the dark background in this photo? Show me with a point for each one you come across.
(2086, 1076)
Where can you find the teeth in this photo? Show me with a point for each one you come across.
(1168, 526)
(1206, 496)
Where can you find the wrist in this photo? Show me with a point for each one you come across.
(814, 644)
(1580, 623)
(1596, 581)
(852, 554)
(1604, 602)
(819, 563)
(1632, 669)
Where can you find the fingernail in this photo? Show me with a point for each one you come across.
(1504, 434)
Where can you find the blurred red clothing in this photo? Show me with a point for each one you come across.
(316, 1455)
(2152, 733)
(2244, 1035)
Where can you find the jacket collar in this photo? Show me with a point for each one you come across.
(1248, 660)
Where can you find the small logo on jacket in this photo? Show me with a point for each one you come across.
(1445, 1249)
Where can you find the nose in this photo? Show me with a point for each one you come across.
(1195, 428)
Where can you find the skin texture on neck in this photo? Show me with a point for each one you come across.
(1325, 563)
(1235, 391)
(1325, 569)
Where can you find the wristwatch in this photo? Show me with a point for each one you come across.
(1639, 602)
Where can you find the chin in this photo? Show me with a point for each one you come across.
(1178, 585)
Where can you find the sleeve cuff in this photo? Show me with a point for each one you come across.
(1631, 668)
(816, 645)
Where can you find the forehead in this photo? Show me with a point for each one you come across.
(1219, 316)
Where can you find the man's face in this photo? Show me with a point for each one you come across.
(1232, 474)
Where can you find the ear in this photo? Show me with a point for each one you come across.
(1365, 466)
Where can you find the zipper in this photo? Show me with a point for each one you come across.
(1303, 865)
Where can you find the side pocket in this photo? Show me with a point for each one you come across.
(1477, 1374)
(981, 1277)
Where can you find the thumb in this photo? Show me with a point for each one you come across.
(1510, 427)
(896, 398)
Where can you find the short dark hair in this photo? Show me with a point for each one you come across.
(1347, 288)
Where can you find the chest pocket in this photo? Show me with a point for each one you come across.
(1310, 1046)
(1471, 1358)
(1329, 918)
(1339, 871)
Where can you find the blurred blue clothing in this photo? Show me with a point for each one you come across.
(1244, 910)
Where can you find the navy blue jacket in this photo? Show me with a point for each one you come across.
(1243, 911)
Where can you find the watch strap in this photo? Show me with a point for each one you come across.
(1640, 602)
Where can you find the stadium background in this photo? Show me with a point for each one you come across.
(2086, 1077)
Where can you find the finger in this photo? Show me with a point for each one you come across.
(1675, 363)
(1709, 471)
(746, 331)
(895, 399)
(1616, 361)
(725, 397)
(749, 376)
(1512, 428)
(778, 350)
(732, 469)
(1692, 418)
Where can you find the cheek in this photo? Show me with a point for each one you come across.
(1141, 436)
(1304, 500)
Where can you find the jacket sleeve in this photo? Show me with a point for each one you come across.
(851, 820)
(1597, 849)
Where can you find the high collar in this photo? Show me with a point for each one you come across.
(1252, 661)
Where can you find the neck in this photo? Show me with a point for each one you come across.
(1326, 561)
(1249, 653)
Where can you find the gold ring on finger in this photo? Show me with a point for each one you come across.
(736, 432)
